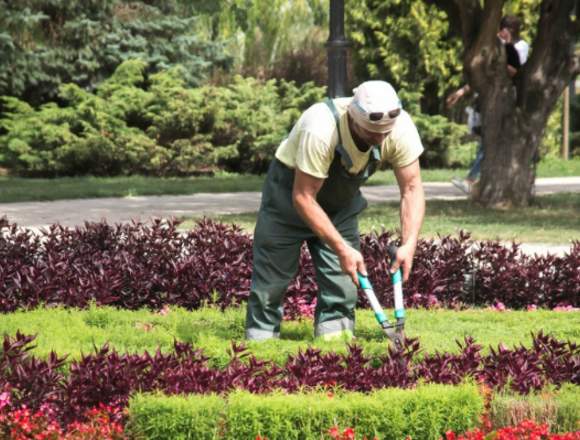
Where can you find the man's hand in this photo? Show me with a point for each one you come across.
(403, 260)
(351, 262)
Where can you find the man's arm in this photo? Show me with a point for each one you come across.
(457, 95)
(304, 193)
(412, 214)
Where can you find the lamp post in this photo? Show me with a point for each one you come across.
(336, 47)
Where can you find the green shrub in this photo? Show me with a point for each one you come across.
(552, 139)
(156, 416)
(72, 331)
(47, 43)
(140, 124)
(559, 409)
(422, 413)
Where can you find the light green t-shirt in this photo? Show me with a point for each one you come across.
(310, 146)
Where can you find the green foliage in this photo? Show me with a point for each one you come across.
(575, 124)
(155, 416)
(406, 43)
(50, 42)
(70, 331)
(426, 412)
(136, 123)
(263, 34)
(89, 136)
(559, 409)
(552, 139)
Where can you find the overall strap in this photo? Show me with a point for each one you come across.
(347, 161)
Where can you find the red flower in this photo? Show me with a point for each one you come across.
(334, 432)
(348, 434)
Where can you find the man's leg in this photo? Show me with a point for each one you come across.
(466, 185)
(473, 174)
(275, 262)
(337, 296)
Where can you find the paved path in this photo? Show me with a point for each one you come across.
(118, 210)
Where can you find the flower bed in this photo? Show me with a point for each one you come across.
(526, 430)
(136, 265)
(23, 424)
(109, 378)
(133, 266)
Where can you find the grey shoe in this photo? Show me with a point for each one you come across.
(462, 184)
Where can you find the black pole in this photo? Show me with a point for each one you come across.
(336, 50)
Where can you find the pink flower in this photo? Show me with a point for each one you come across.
(532, 308)
(164, 311)
(4, 399)
(499, 307)
(432, 301)
(565, 308)
(334, 432)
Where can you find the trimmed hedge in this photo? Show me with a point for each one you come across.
(156, 416)
(559, 409)
(422, 413)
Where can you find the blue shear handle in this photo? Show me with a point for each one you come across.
(364, 281)
(367, 288)
(397, 280)
(396, 277)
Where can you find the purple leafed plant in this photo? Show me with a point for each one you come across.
(109, 378)
(138, 265)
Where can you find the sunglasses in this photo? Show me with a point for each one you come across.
(377, 116)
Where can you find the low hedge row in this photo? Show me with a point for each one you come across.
(425, 412)
(138, 265)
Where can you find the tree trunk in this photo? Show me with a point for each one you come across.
(508, 171)
(511, 140)
(514, 114)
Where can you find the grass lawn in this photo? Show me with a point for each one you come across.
(78, 331)
(553, 219)
(15, 189)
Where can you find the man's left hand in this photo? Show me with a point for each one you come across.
(404, 260)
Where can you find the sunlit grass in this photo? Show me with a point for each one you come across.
(552, 219)
(16, 189)
(74, 332)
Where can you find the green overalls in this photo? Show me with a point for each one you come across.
(278, 237)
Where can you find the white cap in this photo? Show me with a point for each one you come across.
(375, 106)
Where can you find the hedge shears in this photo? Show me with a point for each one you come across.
(393, 330)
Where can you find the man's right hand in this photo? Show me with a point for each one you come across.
(351, 262)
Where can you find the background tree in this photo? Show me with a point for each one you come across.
(407, 43)
(271, 38)
(514, 114)
(45, 43)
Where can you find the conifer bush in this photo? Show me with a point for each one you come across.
(153, 124)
